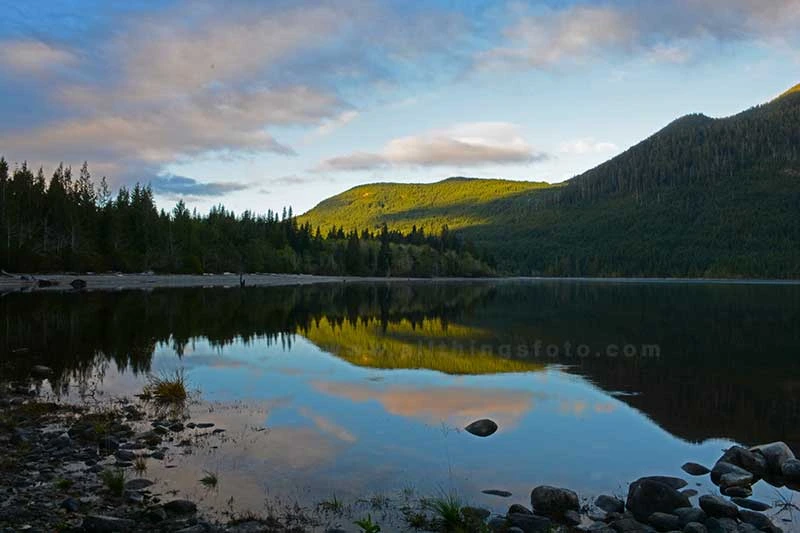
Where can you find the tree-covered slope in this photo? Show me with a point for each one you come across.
(701, 197)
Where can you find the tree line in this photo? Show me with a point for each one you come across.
(69, 223)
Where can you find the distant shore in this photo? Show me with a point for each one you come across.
(62, 281)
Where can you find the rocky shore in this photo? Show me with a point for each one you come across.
(79, 469)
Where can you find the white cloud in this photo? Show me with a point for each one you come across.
(34, 56)
(335, 123)
(587, 145)
(463, 145)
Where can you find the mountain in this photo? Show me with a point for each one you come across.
(703, 197)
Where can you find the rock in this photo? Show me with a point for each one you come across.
(610, 504)
(690, 514)
(498, 523)
(41, 371)
(790, 469)
(689, 493)
(664, 521)
(722, 525)
(530, 523)
(157, 455)
(480, 428)
(496, 492)
(753, 505)
(204, 425)
(176, 427)
(138, 484)
(775, 453)
(694, 469)
(106, 524)
(160, 430)
(737, 492)
(78, 284)
(674, 482)
(476, 513)
(134, 497)
(197, 528)
(629, 525)
(734, 479)
(755, 463)
(70, 505)
(553, 502)
(572, 518)
(125, 455)
(156, 514)
(716, 507)
(724, 467)
(518, 509)
(694, 527)
(747, 528)
(62, 441)
(647, 496)
(760, 521)
(180, 507)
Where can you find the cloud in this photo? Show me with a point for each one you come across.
(34, 56)
(342, 119)
(294, 179)
(463, 145)
(587, 145)
(183, 186)
(673, 31)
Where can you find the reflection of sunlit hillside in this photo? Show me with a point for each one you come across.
(428, 344)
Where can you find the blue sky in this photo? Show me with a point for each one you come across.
(258, 105)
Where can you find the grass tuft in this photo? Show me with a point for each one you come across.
(140, 465)
(210, 480)
(367, 525)
(166, 390)
(114, 480)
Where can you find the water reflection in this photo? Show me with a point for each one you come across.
(364, 387)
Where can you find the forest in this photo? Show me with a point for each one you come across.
(69, 223)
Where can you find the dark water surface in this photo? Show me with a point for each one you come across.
(363, 389)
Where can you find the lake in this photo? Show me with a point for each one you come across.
(362, 391)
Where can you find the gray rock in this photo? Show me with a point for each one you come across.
(664, 521)
(629, 525)
(177, 427)
(716, 507)
(572, 518)
(647, 496)
(180, 507)
(156, 514)
(737, 492)
(722, 525)
(479, 428)
(722, 468)
(553, 501)
(736, 479)
(746, 528)
(790, 469)
(760, 521)
(106, 524)
(204, 425)
(530, 523)
(755, 463)
(689, 493)
(71, 505)
(674, 482)
(496, 492)
(138, 484)
(518, 509)
(694, 527)
(753, 505)
(775, 453)
(62, 441)
(610, 504)
(125, 455)
(694, 469)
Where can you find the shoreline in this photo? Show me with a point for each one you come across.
(61, 281)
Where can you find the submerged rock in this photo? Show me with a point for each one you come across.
(695, 469)
(753, 505)
(497, 492)
(482, 428)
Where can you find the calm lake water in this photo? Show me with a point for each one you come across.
(362, 390)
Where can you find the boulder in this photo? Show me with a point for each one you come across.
(479, 428)
(760, 521)
(737, 492)
(610, 504)
(106, 524)
(647, 496)
(775, 454)
(723, 467)
(734, 479)
(553, 502)
(180, 507)
(530, 523)
(753, 505)
(629, 525)
(790, 470)
(694, 527)
(518, 509)
(694, 469)
(674, 482)
(690, 514)
(664, 522)
(722, 525)
(716, 507)
(755, 463)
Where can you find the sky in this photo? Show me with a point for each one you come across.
(263, 104)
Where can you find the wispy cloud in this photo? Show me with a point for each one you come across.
(463, 145)
(337, 122)
(587, 145)
(31, 57)
(171, 185)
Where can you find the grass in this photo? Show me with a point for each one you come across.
(140, 464)
(114, 480)
(333, 505)
(447, 511)
(64, 484)
(167, 389)
(367, 525)
(209, 480)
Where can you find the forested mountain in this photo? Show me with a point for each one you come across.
(702, 197)
(68, 224)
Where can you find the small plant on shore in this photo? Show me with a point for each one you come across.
(367, 525)
(448, 516)
(64, 484)
(140, 465)
(333, 505)
(167, 392)
(114, 480)
(210, 479)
